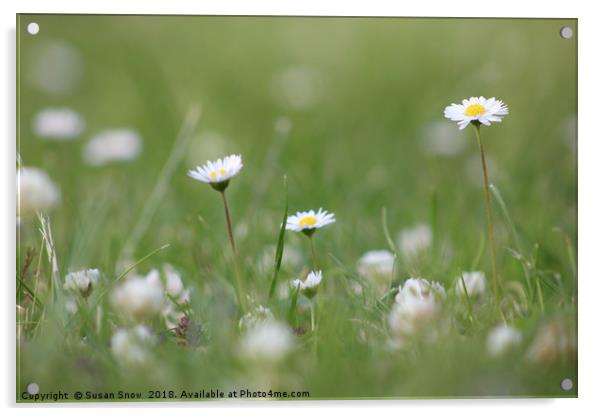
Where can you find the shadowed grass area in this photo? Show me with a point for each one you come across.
(351, 111)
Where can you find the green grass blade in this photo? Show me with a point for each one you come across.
(280, 243)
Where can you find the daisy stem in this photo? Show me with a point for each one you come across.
(496, 281)
(313, 252)
(229, 223)
(239, 291)
(312, 316)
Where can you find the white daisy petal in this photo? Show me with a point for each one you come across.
(219, 171)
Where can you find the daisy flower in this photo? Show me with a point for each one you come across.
(309, 287)
(476, 110)
(309, 221)
(82, 281)
(218, 173)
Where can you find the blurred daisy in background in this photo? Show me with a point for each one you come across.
(476, 109)
(418, 305)
(139, 298)
(440, 138)
(502, 338)
(82, 281)
(473, 281)
(54, 67)
(414, 240)
(58, 124)
(268, 342)
(116, 145)
(376, 267)
(309, 221)
(36, 192)
(297, 88)
(132, 346)
(219, 172)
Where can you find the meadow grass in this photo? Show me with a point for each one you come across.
(350, 137)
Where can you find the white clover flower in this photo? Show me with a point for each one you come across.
(218, 173)
(256, 316)
(377, 267)
(139, 298)
(82, 281)
(414, 240)
(268, 342)
(417, 305)
(132, 346)
(35, 191)
(501, 338)
(309, 287)
(309, 221)
(117, 145)
(476, 109)
(58, 124)
(173, 282)
(474, 281)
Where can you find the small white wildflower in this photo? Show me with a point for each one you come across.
(82, 281)
(417, 305)
(478, 110)
(414, 240)
(377, 267)
(132, 346)
(267, 342)
(139, 298)
(58, 124)
(501, 338)
(218, 173)
(118, 145)
(309, 221)
(173, 282)
(474, 281)
(258, 315)
(35, 191)
(71, 306)
(309, 287)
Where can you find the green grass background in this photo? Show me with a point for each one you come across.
(359, 148)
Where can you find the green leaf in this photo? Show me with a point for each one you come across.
(280, 243)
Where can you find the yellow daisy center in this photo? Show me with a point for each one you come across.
(474, 110)
(308, 221)
(222, 171)
(213, 175)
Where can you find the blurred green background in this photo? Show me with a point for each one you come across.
(351, 110)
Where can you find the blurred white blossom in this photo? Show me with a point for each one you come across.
(501, 338)
(414, 240)
(82, 281)
(474, 281)
(443, 139)
(36, 191)
(118, 145)
(417, 305)
(139, 298)
(267, 342)
(132, 346)
(298, 88)
(58, 124)
(376, 267)
(54, 67)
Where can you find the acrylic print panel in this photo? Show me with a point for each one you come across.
(294, 208)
